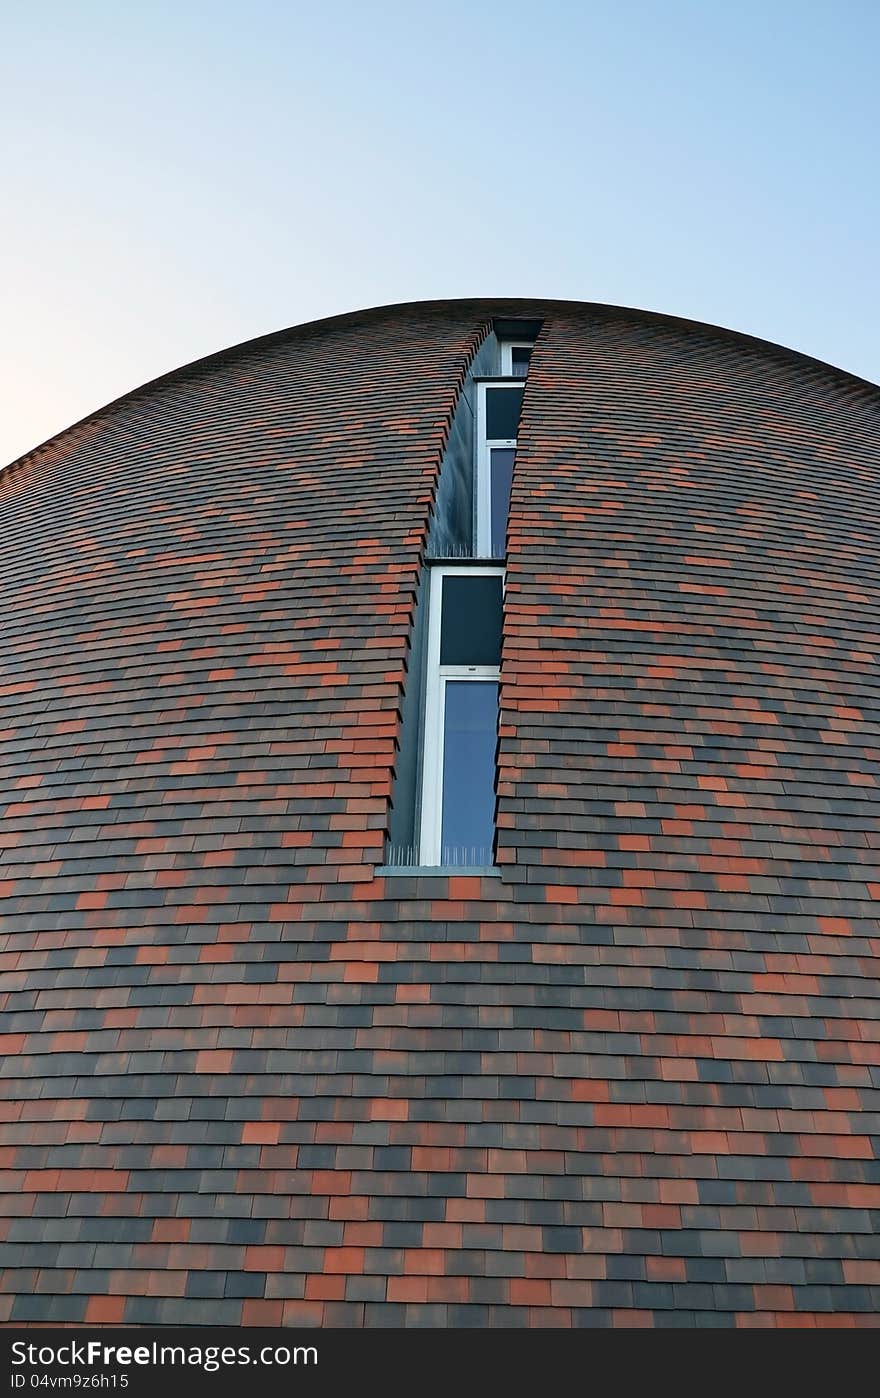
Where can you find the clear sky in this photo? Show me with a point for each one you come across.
(177, 177)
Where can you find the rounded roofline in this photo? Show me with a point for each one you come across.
(528, 307)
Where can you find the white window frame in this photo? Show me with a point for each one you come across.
(507, 358)
(437, 677)
(483, 492)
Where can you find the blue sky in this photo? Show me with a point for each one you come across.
(180, 177)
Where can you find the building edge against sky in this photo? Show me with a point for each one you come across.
(621, 1068)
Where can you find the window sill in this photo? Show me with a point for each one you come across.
(445, 871)
(465, 560)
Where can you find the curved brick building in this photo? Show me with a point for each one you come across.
(319, 1009)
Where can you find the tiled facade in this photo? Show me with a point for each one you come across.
(635, 1079)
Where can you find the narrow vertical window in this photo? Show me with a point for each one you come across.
(500, 482)
(498, 410)
(443, 808)
(461, 716)
(515, 358)
(470, 721)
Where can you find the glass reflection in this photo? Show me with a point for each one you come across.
(500, 481)
(469, 738)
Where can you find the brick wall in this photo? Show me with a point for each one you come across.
(635, 1080)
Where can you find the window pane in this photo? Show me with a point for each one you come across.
(469, 738)
(500, 478)
(470, 623)
(519, 361)
(502, 413)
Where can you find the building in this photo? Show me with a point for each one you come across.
(319, 1010)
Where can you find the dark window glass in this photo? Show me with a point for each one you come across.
(500, 478)
(470, 624)
(469, 737)
(502, 413)
(519, 361)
